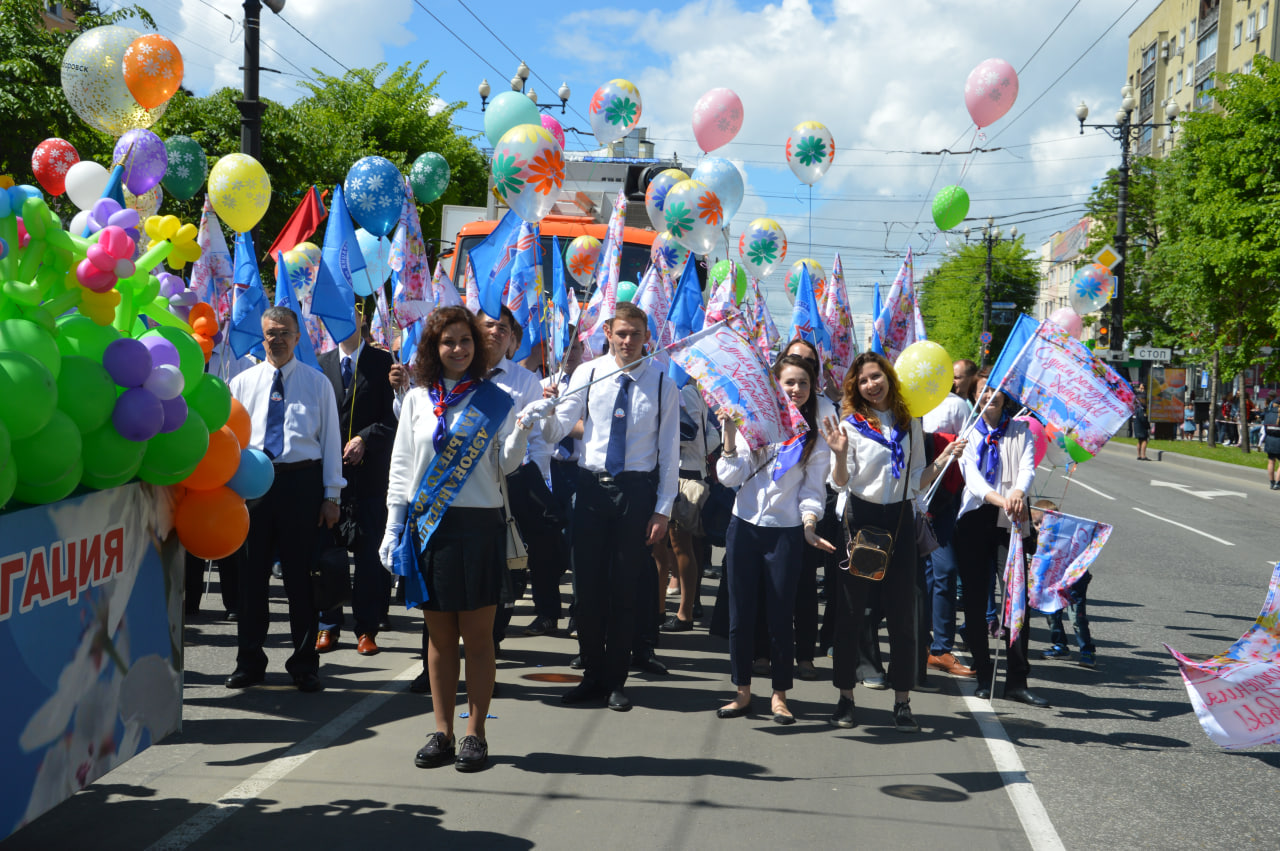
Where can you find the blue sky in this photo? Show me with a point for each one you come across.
(886, 76)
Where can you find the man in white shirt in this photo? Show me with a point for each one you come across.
(627, 479)
(294, 419)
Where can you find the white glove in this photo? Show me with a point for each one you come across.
(391, 538)
(536, 412)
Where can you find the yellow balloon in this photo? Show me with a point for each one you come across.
(93, 81)
(240, 191)
(924, 376)
(146, 204)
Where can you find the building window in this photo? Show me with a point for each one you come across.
(1251, 27)
(1206, 47)
(1182, 40)
(1179, 88)
(1262, 15)
(1204, 94)
(1235, 34)
(1248, 67)
(1149, 57)
(1191, 30)
(1168, 89)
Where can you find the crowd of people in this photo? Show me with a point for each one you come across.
(604, 467)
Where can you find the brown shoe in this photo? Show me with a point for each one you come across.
(326, 642)
(366, 646)
(949, 664)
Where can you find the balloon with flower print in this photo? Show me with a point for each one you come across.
(374, 191)
(429, 177)
(668, 255)
(144, 157)
(528, 171)
(239, 191)
(94, 83)
(725, 180)
(581, 257)
(553, 127)
(655, 196)
(694, 216)
(1091, 287)
(762, 246)
(990, 91)
(188, 167)
(717, 118)
(817, 277)
(924, 376)
(507, 110)
(614, 110)
(152, 67)
(50, 162)
(810, 151)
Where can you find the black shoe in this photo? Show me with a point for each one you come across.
(649, 664)
(982, 693)
(384, 624)
(584, 692)
(784, 718)
(421, 684)
(308, 682)
(233, 616)
(843, 716)
(619, 702)
(540, 626)
(276, 570)
(806, 671)
(876, 682)
(244, 679)
(438, 751)
(903, 719)
(674, 624)
(1022, 695)
(733, 711)
(572, 629)
(473, 754)
(576, 663)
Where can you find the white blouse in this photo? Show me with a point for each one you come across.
(870, 464)
(781, 504)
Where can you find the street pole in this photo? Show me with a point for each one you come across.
(1122, 238)
(250, 107)
(988, 238)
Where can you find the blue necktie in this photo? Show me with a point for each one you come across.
(273, 441)
(615, 457)
(346, 372)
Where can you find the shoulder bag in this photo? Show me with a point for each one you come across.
(517, 552)
(871, 548)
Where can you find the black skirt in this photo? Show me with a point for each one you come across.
(466, 560)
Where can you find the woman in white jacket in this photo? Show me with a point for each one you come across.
(780, 500)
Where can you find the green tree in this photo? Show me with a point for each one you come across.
(951, 296)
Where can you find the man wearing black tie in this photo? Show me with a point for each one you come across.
(359, 375)
(295, 422)
(627, 477)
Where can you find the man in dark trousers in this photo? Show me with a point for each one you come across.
(359, 375)
(294, 422)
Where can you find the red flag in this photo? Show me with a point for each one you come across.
(302, 224)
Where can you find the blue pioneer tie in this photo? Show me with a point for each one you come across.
(273, 441)
(615, 457)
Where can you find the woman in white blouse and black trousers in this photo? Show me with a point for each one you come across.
(878, 459)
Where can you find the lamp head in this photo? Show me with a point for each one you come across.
(523, 71)
(1082, 111)
(484, 89)
(563, 94)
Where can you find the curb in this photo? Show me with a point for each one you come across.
(1180, 460)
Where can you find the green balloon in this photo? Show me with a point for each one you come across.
(429, 177)
(45, 457)
(950, 206)
(51, 492)
(626, 291)
(28, 394)
(190, 356)
(80, 335)
(6, 443)
(22, 335)
(719, 272)
(180, 449)
(109, 459)
(86, 393)
(1075, 451)
(8, 478)
(188, 167)
(212, 401)
(151, 476)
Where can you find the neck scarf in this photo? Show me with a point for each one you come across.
(789, 453)
(897, 458)
(989, 448)
(443, 400)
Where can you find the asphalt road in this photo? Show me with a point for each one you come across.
(1119, 760)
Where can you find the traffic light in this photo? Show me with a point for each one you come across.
(1104, 330)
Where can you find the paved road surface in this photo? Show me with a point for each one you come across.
(1119, 760)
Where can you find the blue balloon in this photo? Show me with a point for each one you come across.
(725, 180)
(375, 193)
(376, 252)
(254, 476)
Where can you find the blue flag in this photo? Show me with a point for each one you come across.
(806, 319)
(562, 330)
(686, 315)
(524, 292)
(333, 298)
(877, 307)
(492, 258)
(287, 295)
(244, 334)
(1023, 330)
(409, 344)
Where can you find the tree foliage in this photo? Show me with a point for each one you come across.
(951, 296)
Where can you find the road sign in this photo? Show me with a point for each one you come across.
(1003, 305)
(984, 337)
(1151, 353)
(1108, 257)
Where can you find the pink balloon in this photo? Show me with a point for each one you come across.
(990, 91)
(553, 127)
(717, 118)
(1068, 319)
(1038, 433)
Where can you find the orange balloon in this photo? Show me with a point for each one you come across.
(212, 523)
(206, 345)
(239, 423)
(202, 314)
(152, 68)
(219, 462)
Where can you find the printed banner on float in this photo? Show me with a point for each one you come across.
(732, 377)
(1236, 694)
(90, 642)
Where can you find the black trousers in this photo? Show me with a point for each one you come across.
(371, 585)
(895, 594)
(978, 542)
(757, 556)
(613, 568)
(283, 521)
(228, 581)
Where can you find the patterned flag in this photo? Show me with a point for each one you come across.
(724, 299)
(471, 288)
(652, 297)
(211, 275)
(899, 324)
(300, 295)
(381, 326)
(443, 292)
(492, 258)
(605, 301)
(333, 299)
(411, 297)
(288, 296)
(245, 331)
(839, 321)
(526, 275)
(765, 332)
(1015, 586)
(686, 315)
(806, 319)
(1065, 548)
(564, 305)
(877, 306)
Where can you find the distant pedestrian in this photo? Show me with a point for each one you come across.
(1141, 428)
(1271, 441)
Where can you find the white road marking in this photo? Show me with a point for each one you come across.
(1210, 494)
(1184, 526)
(233, 801)
(1092, 489)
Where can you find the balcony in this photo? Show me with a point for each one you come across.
(1205, 67)
(1148, 75)
(1209, 19)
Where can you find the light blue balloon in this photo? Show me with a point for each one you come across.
(376, 252)
(725, 180)
(375, 192)
(254, 476)
(507, 110)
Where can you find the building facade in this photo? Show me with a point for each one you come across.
(1059, 259)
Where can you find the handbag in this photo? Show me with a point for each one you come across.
(926, 538)
(871, 548)
(346, 530)
(517, 552)
(330, 574)
(686, 512)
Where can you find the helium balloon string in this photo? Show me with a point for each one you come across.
(810, 219)
(964, 170)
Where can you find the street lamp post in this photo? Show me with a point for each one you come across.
(1124, 131)
(990, 235)
(517, 85)
(250, 107)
